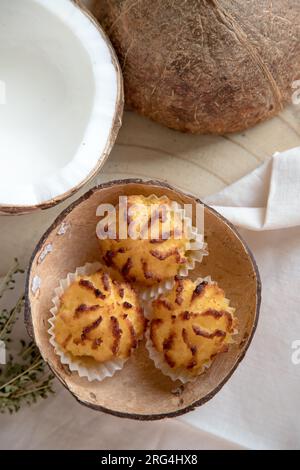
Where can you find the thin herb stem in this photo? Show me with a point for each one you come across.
(40, 383)
(11, 316)
(7, 277)
(27, 350)
(29, 369)
(33, 390)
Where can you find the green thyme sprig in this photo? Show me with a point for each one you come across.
(23, 379)
(24, 383)
(8, 282)
(8, 318)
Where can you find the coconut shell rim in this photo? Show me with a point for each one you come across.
(7, 209)
(58, 221)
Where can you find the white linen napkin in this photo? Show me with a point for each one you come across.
(260, 406)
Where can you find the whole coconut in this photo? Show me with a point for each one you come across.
(205, 66)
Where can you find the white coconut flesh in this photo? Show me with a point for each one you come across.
(59, 91)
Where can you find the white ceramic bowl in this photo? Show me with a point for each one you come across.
(61, 101)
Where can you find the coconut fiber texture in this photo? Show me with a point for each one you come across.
(205, 66)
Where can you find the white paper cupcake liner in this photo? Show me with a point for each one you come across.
(195, 250)
(88, 368)
(159, 362)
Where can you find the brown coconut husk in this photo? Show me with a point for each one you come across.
(212, 66)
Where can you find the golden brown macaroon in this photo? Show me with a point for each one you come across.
(156, 246)
(99, 318)
(191, 324)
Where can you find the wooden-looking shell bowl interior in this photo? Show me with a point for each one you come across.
(140, 390)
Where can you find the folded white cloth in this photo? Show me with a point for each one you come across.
(259, 406)
(267, 198)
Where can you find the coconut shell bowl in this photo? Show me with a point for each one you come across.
(140, 390)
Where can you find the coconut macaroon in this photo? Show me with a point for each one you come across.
(156, 245)
(190, 325)
(99, 318)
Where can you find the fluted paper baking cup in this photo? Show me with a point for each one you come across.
(85, 367)
(179, 374)
(196, 248)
